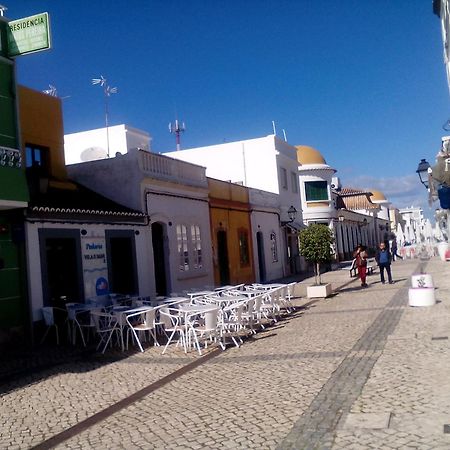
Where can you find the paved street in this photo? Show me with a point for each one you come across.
(359, 370)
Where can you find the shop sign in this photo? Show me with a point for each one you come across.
(29, 35)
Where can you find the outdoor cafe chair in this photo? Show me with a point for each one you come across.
(106, 326)
(77, 313)
(49, 313)
(231, 324)
(141, 322)
(173, 325)
(203, 326)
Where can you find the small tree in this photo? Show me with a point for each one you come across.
(315, 246)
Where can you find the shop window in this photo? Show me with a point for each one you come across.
(316, 191)
(244, 254)
(182, 247)
(197, 246)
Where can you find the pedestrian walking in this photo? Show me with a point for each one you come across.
(383, 258)
(360, 255)
(394, 250)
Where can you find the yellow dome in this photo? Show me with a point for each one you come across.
(309, 155)
(377, 196)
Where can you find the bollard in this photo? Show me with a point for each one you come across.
(422, 291)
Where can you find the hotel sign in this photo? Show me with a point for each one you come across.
(28, 35)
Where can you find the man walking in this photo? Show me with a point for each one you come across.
(383, 258)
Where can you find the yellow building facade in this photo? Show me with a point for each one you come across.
(231, 233)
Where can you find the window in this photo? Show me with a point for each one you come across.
(244, 256)
(316, 191)
(273, 246)
(182, 246)
(197, 246)
(294, 182)
(283, 176)
(36, 156)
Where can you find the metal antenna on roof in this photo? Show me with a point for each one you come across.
(2, 10)
(284, 134)
(177, 128)
(274, 129)
(107, 91)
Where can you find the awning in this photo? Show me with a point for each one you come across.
(295, 226)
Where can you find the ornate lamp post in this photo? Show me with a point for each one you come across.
(430, 180)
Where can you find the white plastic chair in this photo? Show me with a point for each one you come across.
(48, 313)
(172, 323)
(105, 326)
(231, 324)
(72, 310)
(140, 322)
(203, 328)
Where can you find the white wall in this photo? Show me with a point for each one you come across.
(122, 138)
(251, 162)
(265, 217)
(173, 210)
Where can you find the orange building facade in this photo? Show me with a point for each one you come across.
(231, 233)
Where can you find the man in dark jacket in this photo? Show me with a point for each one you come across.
(383, 258)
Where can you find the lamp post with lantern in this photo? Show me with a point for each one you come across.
(436, 181)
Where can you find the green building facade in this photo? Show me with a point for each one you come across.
(14, 198)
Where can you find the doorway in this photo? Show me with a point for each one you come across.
(261, 258)
(159, 258)
(61, 266)
(121, 257)
(222, 256)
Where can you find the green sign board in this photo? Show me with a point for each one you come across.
(31, 34)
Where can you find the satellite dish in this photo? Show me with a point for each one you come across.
(93, 153)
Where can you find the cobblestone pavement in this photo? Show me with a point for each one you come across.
(358, 370)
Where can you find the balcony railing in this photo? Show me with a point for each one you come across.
(166, 168)
(10, 157)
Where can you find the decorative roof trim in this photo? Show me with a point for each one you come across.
(48, 209)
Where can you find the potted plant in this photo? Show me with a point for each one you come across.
(316, 246)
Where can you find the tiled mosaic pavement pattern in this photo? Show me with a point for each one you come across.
(358, 370)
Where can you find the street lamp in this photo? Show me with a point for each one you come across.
(424, 170)
(292, 212)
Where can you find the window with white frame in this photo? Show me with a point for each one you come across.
(273, 246)
(197, 246)
(294, 182)
(182, 247)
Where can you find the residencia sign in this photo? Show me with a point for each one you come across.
(28, 35)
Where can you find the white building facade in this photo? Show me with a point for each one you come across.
(102, 143)
(174, 194)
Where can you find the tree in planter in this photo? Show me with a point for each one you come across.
(315, 246)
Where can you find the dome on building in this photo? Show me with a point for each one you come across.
(309, 155)
(377, 196)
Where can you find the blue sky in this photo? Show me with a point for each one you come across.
(361, 81)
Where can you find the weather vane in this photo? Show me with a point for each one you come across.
(107, 91)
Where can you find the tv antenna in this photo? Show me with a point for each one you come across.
(177, 128)
(53, 92)
(107, 91)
